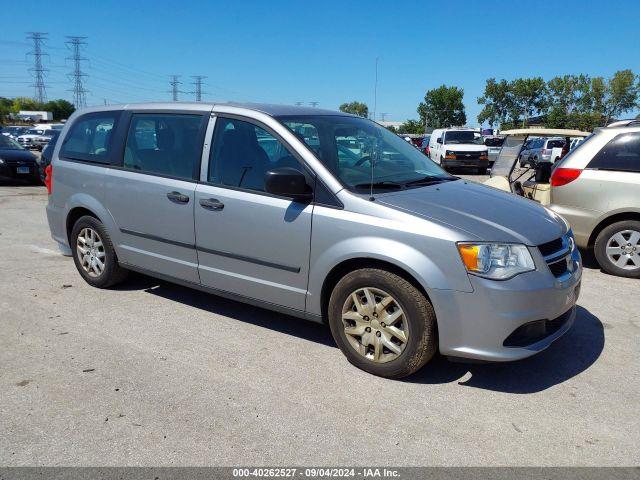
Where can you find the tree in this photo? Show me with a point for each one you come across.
(497, 101)
(442, 107)
(356, 108)
(411, 126)
(569, 99)
(61, 109)
(529, 97)
(621, 94)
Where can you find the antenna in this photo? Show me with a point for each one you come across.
(375, 92)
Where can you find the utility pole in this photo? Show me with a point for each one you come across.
(79, 92)
(174, 86)
(314, 104)
(38, 71)
(198, 83)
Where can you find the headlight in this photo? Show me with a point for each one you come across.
(1, 161)
(496, 261)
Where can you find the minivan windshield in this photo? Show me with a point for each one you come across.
(462, 137)
(359, 152)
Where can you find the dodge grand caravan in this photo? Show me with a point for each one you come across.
(316, 214)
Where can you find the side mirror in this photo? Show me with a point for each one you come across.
(439, 140)
(287, 182)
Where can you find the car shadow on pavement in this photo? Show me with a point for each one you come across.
(570, 355)
(261, 317)
(567, 357)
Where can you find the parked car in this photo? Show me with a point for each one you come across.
(42, 141)
(15, 161)
(403, 258)
(458, 147)
(13, 131)
(596, 187)
(494, 145)
(542, 150)
(28, 138)
(47, 153)
(425, 145)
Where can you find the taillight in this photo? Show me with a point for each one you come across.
(48, 179)
(426, 150)
(562, 176)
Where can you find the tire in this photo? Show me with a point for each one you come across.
(417, 321)
(625, 233)
(111, 273)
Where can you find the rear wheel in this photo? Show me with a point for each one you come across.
(94, 255)
(617, 249)
(382, 323)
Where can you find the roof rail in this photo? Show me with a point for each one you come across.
(625, 123)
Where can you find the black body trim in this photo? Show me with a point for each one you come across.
(235, 256)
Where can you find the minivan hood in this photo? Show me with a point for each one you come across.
(480, 212)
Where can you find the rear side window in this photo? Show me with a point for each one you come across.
(164, 144)
(90, 137)
(555, 144)
(621, 153)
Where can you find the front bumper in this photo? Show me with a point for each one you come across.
(461, 162)
(534, 308)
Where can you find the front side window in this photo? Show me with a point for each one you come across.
(356, 150)
(242, 153)
(90, 137)
(164, 144)
(622, 154)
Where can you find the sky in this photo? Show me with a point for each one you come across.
(315, 51)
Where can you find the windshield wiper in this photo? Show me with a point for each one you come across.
(380, 184)
(429, 180)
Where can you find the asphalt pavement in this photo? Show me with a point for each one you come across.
(150, 373)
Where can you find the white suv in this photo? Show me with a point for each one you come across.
(459, 147)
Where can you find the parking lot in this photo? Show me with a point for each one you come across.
(150, 373)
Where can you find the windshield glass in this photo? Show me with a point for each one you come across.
(7, 143)
(357, 150)
(462, 136)
(33, 131)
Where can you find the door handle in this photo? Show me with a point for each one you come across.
(178, 197)
(211, 204)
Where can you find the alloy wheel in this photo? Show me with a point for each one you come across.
(375, 324)
(623, 249)
(90, 251)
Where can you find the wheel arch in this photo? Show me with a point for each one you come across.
(609, 220)
(356, 263)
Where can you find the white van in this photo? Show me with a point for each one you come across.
(458, 147)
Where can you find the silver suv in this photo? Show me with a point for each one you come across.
(596, 187)
(316, 214)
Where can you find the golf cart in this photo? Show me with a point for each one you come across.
(528, 178)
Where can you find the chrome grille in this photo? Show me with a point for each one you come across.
(557, 254)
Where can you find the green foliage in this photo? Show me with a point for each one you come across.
(411, 126)
(355, 108)
(442, 107)
(61, 109)
(569, 101)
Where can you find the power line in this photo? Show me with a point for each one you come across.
(198, 83)
(38, 71)
(79, 92)
(174, 86)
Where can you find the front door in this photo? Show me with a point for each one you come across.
(151, 198)
(249, 242)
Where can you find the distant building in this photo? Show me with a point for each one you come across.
(34, 116)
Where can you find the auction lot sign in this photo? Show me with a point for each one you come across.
(401, 473)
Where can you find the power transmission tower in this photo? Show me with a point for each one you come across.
(38, 71)
(314, 104)
(298, 104)
(174, 86)
(382, 115)
(79, 92)
(198, 83)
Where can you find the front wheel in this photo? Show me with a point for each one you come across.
(617, 249)
(382, 323)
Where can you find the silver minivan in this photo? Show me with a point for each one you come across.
(317, 214)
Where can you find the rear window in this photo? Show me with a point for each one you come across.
(493, 142)
(621, 153)
(555, 144)
(90, 137)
